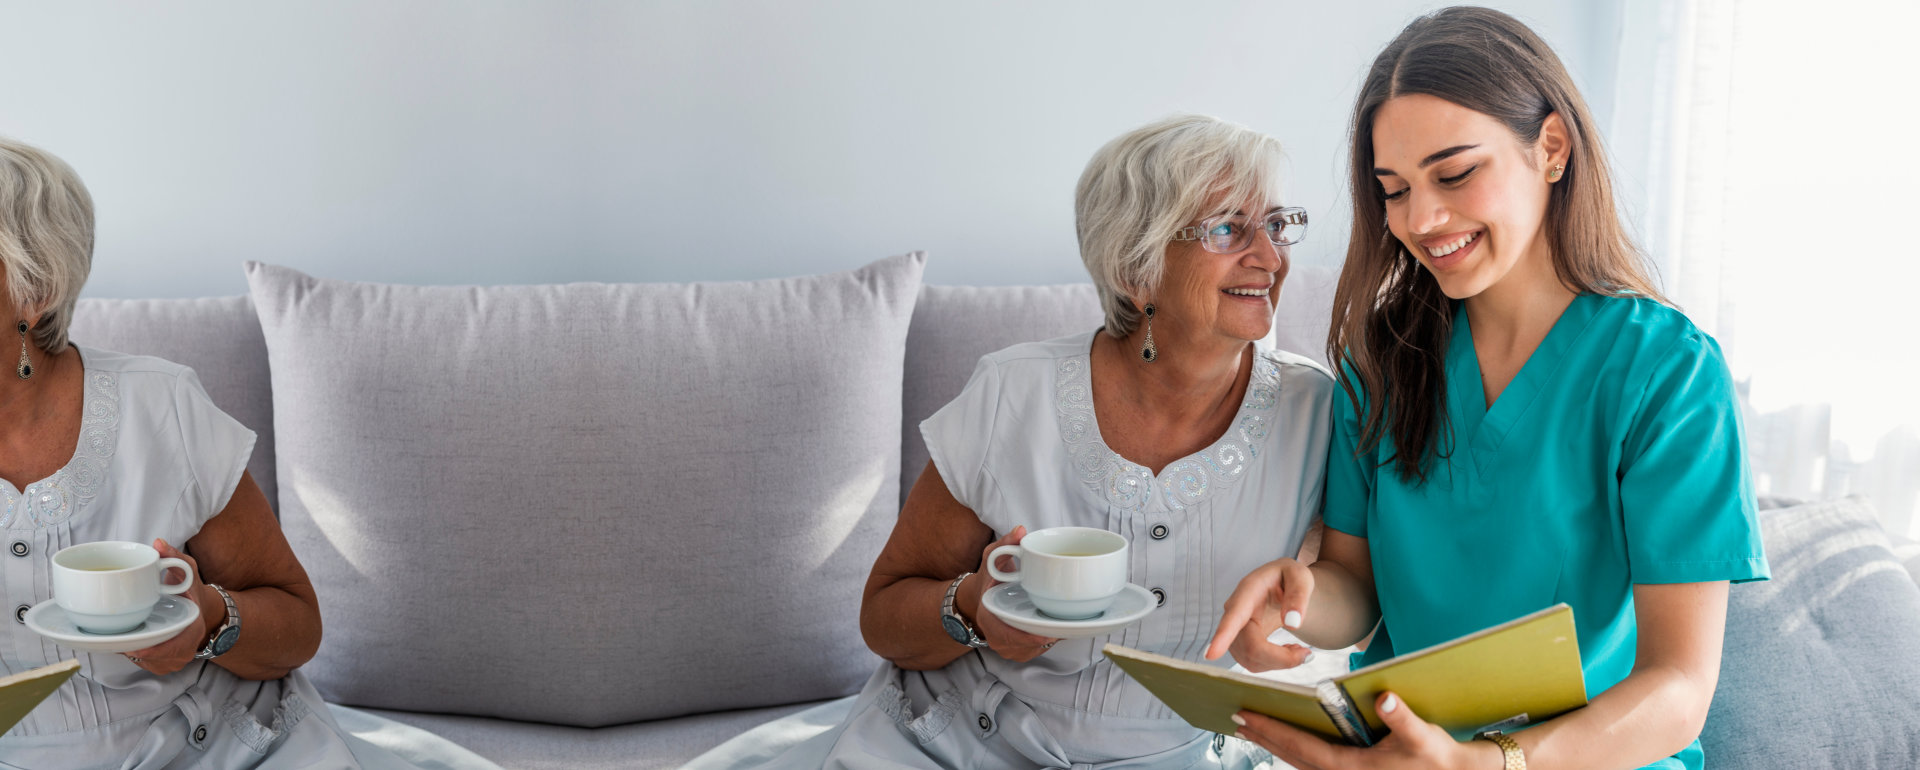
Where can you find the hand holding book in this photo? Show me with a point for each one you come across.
(1412, 742)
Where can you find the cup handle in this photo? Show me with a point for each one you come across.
(175, 588)
(993, 563)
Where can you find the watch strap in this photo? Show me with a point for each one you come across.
(232, 622)
(1510, 752)
(948, 609)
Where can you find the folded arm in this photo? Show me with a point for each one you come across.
(242, 550)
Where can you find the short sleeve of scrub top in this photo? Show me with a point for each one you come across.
(1683, 476)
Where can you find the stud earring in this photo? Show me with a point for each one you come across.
(1149, 352)
(25, 369)
(1554, 175)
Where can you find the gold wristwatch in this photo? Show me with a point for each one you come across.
(1509, 749)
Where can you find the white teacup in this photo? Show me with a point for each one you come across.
(111, 586)
(1070, 573)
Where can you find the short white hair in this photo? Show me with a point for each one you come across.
(1144, 186)
(46, 239)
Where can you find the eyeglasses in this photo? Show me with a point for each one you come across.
(1231, 233)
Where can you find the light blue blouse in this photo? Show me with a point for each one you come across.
(1615, 457)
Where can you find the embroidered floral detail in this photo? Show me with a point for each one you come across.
(927, 726)
(71, 489)
(1187, 481)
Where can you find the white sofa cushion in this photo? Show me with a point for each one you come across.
(588, 504)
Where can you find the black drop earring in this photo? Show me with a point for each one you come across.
(1148, 352)
(25, 369)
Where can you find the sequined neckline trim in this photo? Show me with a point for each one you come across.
(1187, 481)
(72, 489)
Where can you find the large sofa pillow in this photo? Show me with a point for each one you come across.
(219, 338)
(1819, 667)
(588, 504)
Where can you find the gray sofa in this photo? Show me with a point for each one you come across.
(612, 526)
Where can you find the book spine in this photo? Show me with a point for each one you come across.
(1345, 714)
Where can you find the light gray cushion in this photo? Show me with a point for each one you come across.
(1821, 666)
(1306, 307)
(654, 745)
(589, 504)
(953, 326)
(219, 338)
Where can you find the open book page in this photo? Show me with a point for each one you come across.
(23, 691)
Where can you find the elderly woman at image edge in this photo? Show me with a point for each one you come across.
(1167, 426)
(109, 446)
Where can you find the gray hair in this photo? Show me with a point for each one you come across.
(1144, 186)
(46, 239)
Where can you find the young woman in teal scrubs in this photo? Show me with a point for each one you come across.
(1525, 422)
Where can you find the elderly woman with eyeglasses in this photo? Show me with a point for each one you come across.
(1167, 425)
(107, 446)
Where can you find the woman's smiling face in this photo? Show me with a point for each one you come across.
(1227, 296)
(1464, 195)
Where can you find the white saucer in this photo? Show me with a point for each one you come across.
(170, 616)
(1009, 602)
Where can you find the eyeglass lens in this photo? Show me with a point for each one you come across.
(1229, 234)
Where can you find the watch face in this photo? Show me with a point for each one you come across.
(225, 641)
(956, 629)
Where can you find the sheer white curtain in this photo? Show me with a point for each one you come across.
(1772, 148)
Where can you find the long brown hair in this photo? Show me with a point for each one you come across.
(1391, 322)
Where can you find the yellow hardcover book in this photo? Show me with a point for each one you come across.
(1519, 672)
(21, 692)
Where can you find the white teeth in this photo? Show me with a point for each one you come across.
(1441, 251)
(1248, 292)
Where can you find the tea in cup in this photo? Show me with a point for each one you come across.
(1070, 573)
(111, 586)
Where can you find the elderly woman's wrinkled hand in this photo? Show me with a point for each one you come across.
(174, 654)
(1009, 642)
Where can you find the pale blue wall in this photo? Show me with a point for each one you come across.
(507, 142)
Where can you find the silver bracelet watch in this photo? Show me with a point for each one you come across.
(958, 627)
(227, 634)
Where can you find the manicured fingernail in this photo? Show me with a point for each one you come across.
(1293, 619)
(1307, 659)
(1242, 736)
(1392, 702)
(1239, 721)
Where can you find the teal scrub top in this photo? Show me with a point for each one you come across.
(1615, 457)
